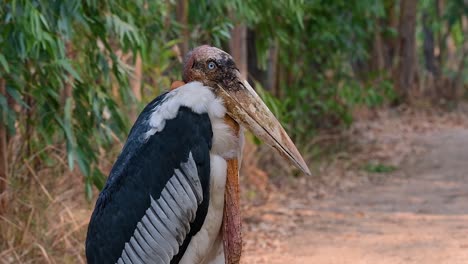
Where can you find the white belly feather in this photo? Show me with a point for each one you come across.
(203, 243)
(206, 247)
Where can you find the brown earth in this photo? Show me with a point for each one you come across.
(343, 214)
(417, 214)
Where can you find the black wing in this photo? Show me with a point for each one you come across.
(157, 195)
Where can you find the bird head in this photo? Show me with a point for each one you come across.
(216, 69)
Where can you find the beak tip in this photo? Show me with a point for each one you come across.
(248, 109)
(305, 169)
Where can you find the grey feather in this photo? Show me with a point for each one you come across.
(166, 223)
(131, 252)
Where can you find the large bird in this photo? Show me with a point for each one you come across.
(172, 195)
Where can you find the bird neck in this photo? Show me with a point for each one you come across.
(232, 220)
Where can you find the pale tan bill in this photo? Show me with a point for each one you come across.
(247, 108)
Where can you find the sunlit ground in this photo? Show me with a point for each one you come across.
(344, 213)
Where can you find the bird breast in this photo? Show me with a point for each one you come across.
(225, 142)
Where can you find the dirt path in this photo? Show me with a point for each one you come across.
(418, 215)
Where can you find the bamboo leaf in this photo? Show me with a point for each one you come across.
(67, 67)
(3, 108)
(88, 189)
(4, 63)
(83, 163)
(99, 179)
(16, 96)
(67, 127)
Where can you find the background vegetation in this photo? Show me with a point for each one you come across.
(74, 74)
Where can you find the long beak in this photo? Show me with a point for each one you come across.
(247, 108)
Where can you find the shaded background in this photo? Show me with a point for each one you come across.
(75, 74)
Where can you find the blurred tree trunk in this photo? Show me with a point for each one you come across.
(269, 78)
(442, 37)
(3, 156)
(67, 92)
(28, 113)
(458, 81)
(406, 73)
(390, 41)
(182, 18)
(382, 45)
(136, 79)
(272, 66)
(135, 84)
(238, 47)
(377, 58)
(255, 73)
(429, 45)
(429, 78)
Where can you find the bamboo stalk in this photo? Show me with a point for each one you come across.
(3, 157)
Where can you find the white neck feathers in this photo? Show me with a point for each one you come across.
(194, 95)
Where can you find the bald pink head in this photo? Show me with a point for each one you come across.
(206, 63)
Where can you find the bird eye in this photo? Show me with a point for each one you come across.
(211, 65)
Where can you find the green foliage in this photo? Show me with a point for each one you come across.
(450, 22)
(67, 65)
(318, 42)
(63, 65)
(379, 168)
(210, 22)
(60, 65)
(325, 103)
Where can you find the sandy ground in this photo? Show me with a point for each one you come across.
(418, 214)
(344, 214)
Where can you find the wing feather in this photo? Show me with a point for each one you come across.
(171, 231)
(132, 252)
(157, 195)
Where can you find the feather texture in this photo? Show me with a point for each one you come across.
(157, 195)
(163, 228)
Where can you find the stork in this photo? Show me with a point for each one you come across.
(172, 195)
